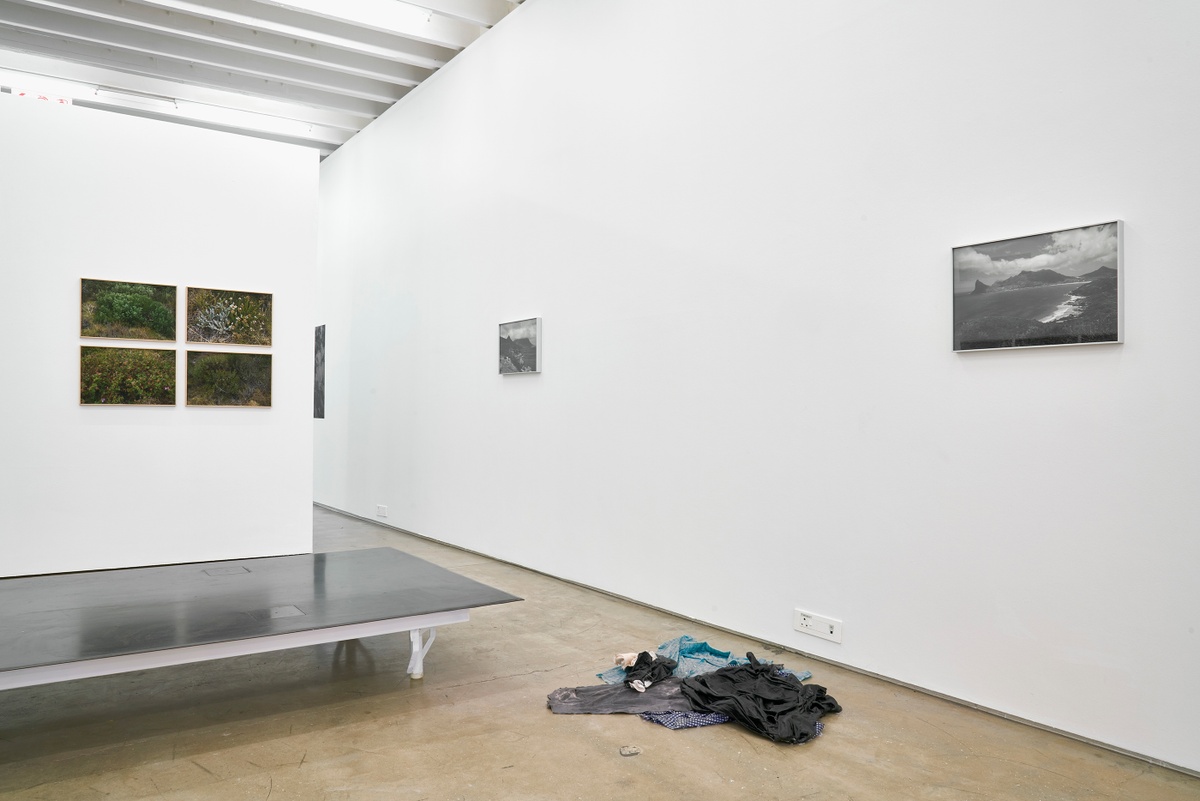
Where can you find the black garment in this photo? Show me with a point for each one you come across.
(602, 699)
(648, 669)
(773, 704)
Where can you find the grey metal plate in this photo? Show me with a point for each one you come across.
(46, 620)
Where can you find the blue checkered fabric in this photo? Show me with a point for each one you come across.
(685, 720)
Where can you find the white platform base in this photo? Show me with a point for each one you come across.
(106, 666)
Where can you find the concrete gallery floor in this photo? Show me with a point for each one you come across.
(344, 723)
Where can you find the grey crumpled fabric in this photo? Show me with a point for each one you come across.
(604, 699)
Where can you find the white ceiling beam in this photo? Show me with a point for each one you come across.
(312, 72)
(238, 38)
(281, 21)
(92, 77)
(479, 12)
(183, 72)
(142, 42)
(391, 16)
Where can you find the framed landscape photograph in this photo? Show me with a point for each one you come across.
(1058, 288)
(126, 310)
(126, 377)
(229, 318)
(521, 347)
(228, 379)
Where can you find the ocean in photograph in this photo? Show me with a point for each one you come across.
(1041, 303)
(1040, 308)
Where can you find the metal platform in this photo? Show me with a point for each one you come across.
(76, 625)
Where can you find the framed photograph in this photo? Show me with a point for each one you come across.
(319, 375)
(227, 317)
(1059, 288)
(521, 346)
(126, 377)
(126, 310)
(228, 379)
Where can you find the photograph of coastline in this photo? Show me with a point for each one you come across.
(520, 346)
(1059, 288)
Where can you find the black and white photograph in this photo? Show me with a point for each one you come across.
(520, 346)
(1058, 288)
(319, 375)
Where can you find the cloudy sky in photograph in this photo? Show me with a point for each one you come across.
(1072, 252)
(522, 329)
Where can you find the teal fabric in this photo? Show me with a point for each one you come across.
(694, 658)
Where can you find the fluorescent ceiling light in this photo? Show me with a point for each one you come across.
(326, 137)
(116, 97)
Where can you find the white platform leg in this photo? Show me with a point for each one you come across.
(416, 662)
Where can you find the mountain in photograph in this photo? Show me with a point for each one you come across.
(1028, 278)
(1101, 289)
(517, 355)
(981, 287)
(1099, 273)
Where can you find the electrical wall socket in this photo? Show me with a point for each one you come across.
(381, 511)
(826, 628)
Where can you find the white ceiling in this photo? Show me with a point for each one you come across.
(310, 72)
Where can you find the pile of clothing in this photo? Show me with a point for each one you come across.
(688, 684)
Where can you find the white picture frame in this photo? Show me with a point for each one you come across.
(521, 347)
(1062, 287)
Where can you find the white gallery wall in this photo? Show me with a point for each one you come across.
(737, 229)
(90, 194)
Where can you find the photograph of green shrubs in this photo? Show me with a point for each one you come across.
(234, 318)
(123, 310)
(228, 379)
(126, 376)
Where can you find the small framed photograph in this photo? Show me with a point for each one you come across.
(226, 317)
(521, 346)
(228, 379)
(126, 377)
(126, 310)
(1058, 288)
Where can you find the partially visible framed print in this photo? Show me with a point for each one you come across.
(1057, 288)
(521, 346)
(319, 375)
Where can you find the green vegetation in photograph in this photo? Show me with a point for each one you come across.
(236, 318)
(123, 376)
(228, 379)
(118, 310)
